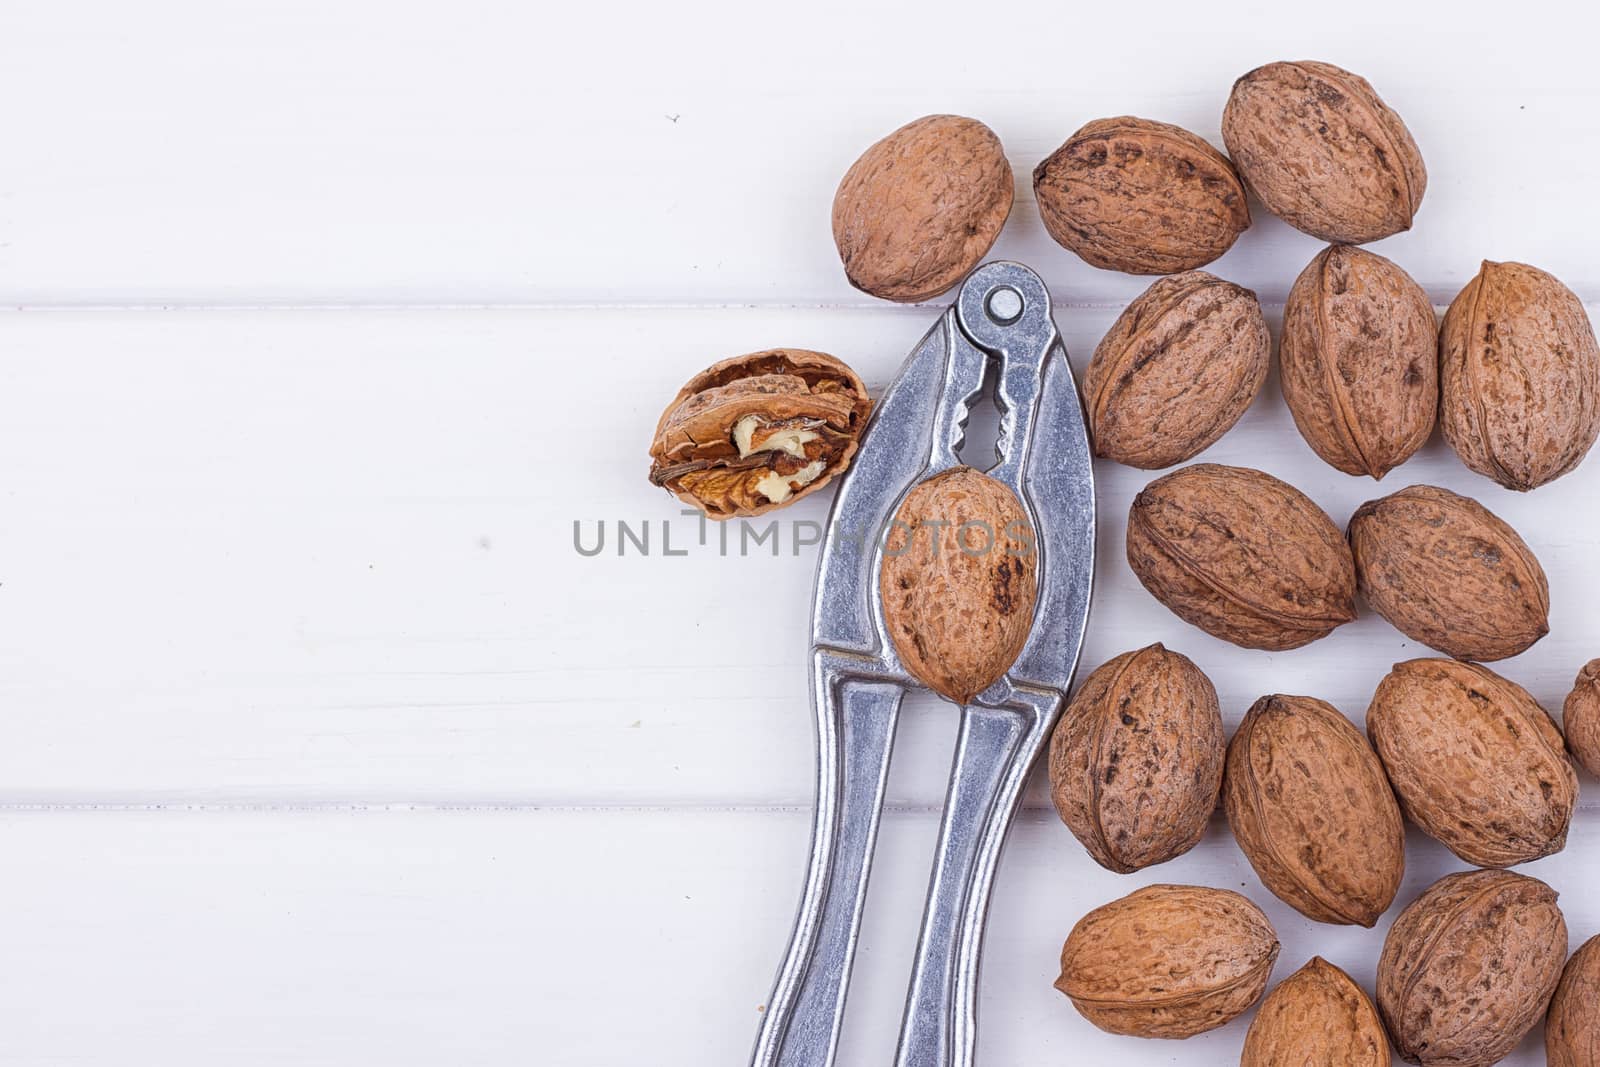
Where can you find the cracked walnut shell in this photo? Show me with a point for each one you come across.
(759, 431)
(1136, 759)
(1242, 555)
(1359, 361)
(1313, 812)
(1520, 376)
(1316, 1017)
(1168, 961)
(921, 207)
(1141, 197)
(1446, 571)
(1323, 152)
(1176, 370)
(959, 581)
(1474, 760)
(1469, 967)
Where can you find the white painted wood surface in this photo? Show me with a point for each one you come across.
(321, 744)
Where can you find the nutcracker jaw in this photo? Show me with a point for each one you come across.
(1001, 313)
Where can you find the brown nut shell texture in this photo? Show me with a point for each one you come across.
(1168, 961)
(1316, 1017)
(1311, 809)
(1474, 761)
(1572, 1029)
(959, 581)
(1176, 371)
(1242, 555)
(759, 431)
(1580, 717)
(921, 207)
(1520, 376)
(1359, 362)
(1449, 573)
(1468, 968)
(1136, 760)
(1141, 197)
(1323, 152)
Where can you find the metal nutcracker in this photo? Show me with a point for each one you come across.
(1001, 314)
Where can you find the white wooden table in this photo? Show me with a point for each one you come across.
(321, 324)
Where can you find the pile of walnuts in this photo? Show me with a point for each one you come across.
(1140, 759)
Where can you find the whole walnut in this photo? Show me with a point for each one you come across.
(1168, 961)
(1520, 376)
(1141, 197)
(1449, 573)
(1316, 1017)
(959, 581)
(1572, 1029)
(1474, 761)
(1136, 760)
(1359, 361)
(1241, 555)
(1469, 967)
(1580, 717)
(759, 431)
(1323, 152)
(1176, 370)
(1311, 809)
(921, 207)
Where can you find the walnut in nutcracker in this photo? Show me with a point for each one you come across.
(959, 581)
(921, 207)
(1176, 371)
(1136, 759)
(1168, 961)
(1316, 1017)
(1449, 573)
(1141, 197)
(1323, 152)
(1242, 555)
(1572, 1028)
(1313, 812)
(1580, 717)
(1469, 967)
(1358, 361)
(1474, 761)
(1520, 376)
(759, 431)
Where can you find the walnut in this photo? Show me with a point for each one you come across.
(921, 207)
(1136, 760)
(1468, 968)
(1449, 573)
(1580, 717)
(1474, 760)
(1520, 374)
(1316, 1017)
(1311, 809)
(1141, 197)
(1168, 961)
(1241, 555)
(1359, 361)
(959, 581)
(1323, 152)
(1572, 1029)
(1176, 371)
(759, 431)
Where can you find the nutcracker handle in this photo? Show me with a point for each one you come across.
(995, 750)
(856, 719)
